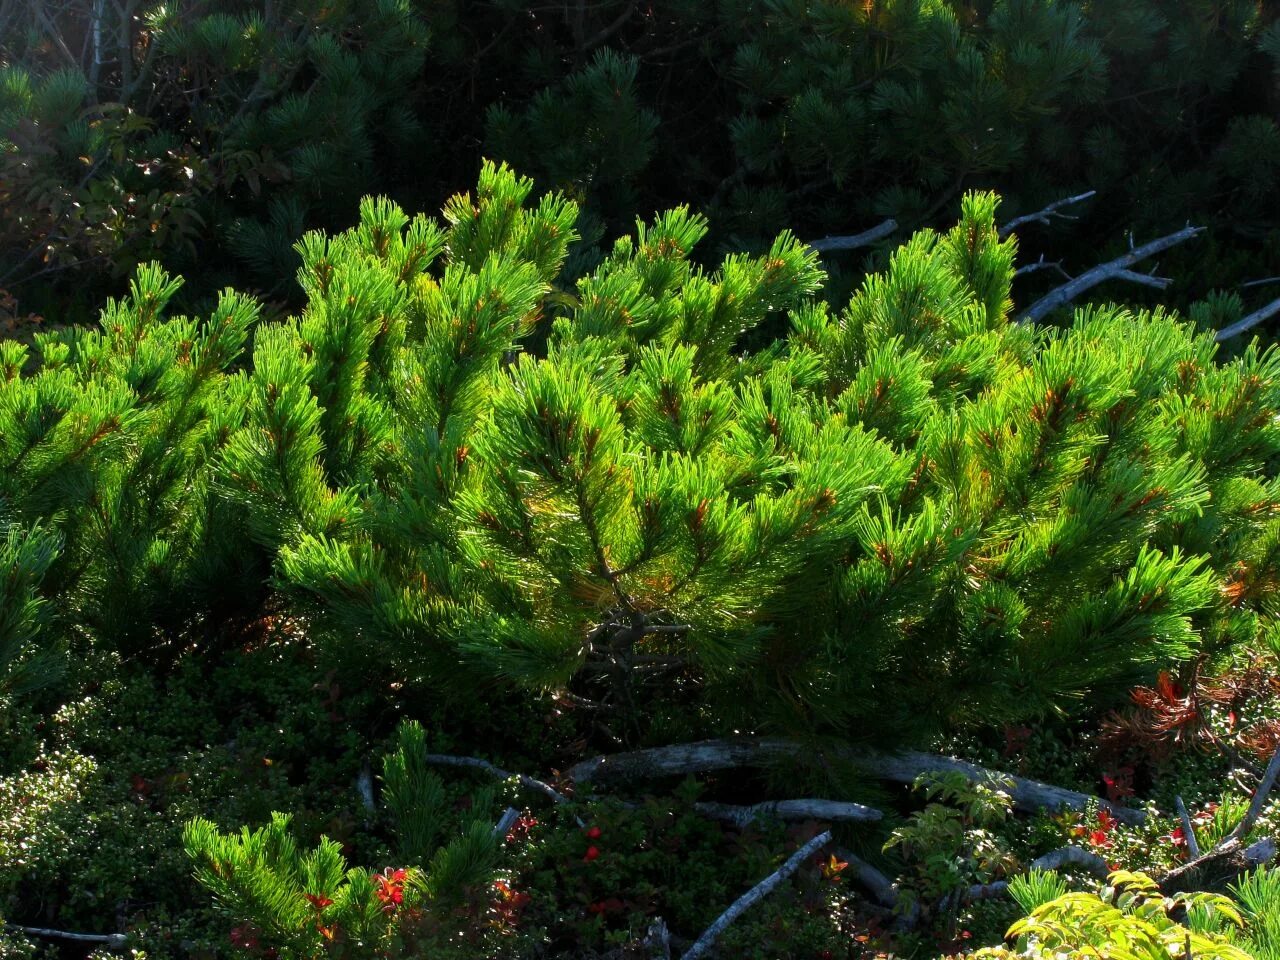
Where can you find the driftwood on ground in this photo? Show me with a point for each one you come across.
(110, 941)
(1054, 860)
(833, 811)
(709, 755)
(1230, 858)
(753, 896)
(484, 766)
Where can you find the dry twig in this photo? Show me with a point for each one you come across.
(1046, 215)
(1117, 269)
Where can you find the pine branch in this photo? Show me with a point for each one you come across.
(755, 895)
(1249, 322)
(864, 239)
(1046, 215)
(1117, 269)
(707, 755)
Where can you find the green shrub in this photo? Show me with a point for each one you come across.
(910, 515)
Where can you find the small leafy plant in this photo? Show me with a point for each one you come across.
(954, 841)
(1129, 919)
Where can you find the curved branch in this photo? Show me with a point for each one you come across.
(1053, 860)
(864, 239)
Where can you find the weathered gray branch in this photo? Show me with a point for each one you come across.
(1116, 269)
(833, 811)
(475, 763)
(755, 895)
(864, 239)
(1188, 831)
(505, 822)
(656, 943)
(112, 941)
(1045, 216)
(1259, 799)
(1220, 865)
(1041, 264)
(1053, 860)
(708, 755)
(1249, 322)
(364, 786)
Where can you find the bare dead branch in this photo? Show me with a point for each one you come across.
(1116, 269)
(864, 239)
(1265, 281)
(1219, 866)
(708, 755)
(364, 786)
(656, 943)
(1193, 845)
(1259, 799)
(1146, 279)
(606, 32)
(112, 941)
(505, 822)
(1042, 264)
(475, 763)
(1249, 322)
(755, 895)
(811, 809)
(1046, 215)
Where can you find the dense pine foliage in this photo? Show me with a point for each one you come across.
(536, 578)
(215, 137)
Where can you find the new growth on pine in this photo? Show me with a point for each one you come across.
(909, 513)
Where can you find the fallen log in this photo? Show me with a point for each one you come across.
(709, 755)
(109, 941)
(833, 811)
